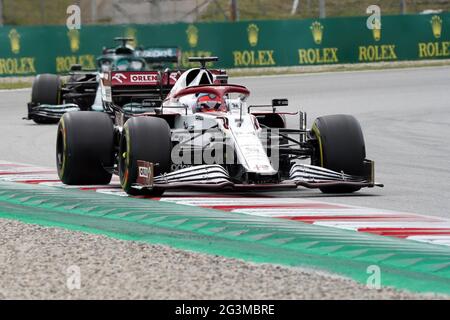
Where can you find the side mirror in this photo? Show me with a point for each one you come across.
(280, 102)
(221, 78)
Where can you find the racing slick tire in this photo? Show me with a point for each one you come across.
(46, 90)
(146, 139)
(85, 148)
(341, 148)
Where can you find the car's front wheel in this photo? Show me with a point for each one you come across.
(145, 139)
(341, 148)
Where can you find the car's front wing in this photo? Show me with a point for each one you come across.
(43, 112)
(215, 177)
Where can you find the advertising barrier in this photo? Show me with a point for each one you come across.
(53, 49)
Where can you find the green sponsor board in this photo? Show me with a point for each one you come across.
(53, 49)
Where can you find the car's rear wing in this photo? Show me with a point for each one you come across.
(135, 78)
(145, 79)
(165, 78)
(144, 87)
(159, 54)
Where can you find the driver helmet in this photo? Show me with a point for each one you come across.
(208, 102)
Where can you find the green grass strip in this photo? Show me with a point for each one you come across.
(14, 85)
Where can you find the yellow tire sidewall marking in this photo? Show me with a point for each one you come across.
(124, 180)
(319, 138)
(64, 152)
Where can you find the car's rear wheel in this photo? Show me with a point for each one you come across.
(85, 148)
(341, 148)
(146, 139)
(46, 90)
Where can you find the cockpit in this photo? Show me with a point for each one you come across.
(211, 98)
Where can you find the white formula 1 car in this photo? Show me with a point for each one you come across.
(205, 136)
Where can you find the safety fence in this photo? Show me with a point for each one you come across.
(53, 49)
